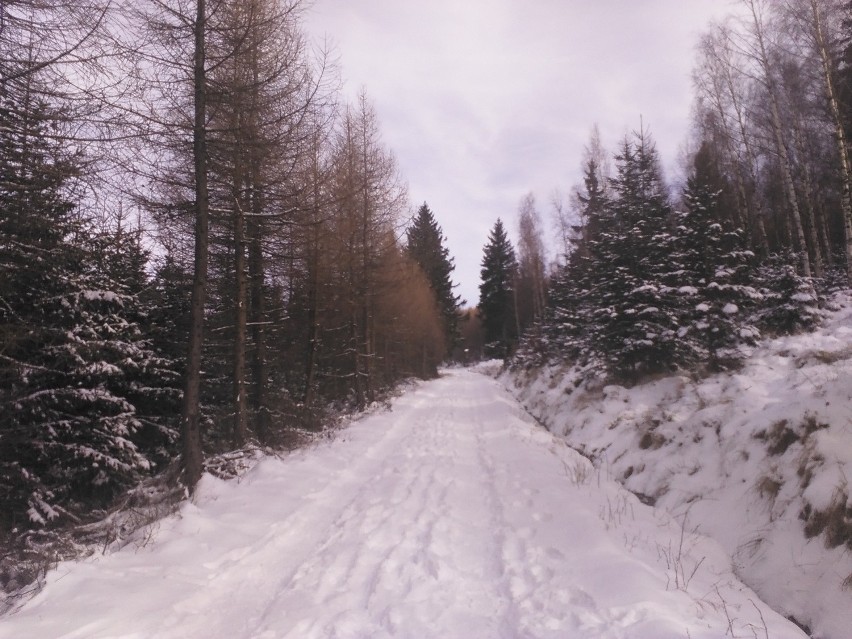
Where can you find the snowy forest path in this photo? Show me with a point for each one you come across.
(451, 515)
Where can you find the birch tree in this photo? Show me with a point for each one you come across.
(816, 24)
(757, 46)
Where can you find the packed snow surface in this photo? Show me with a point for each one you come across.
(452, 515)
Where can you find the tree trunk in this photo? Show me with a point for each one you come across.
(780, 146)
(356, 360)
(259, 365)
(240, 424)
(313, 319)
(789, 188)
(840, 135)
(190, 422)
(366, 229)
(810, 200)
(242, 138)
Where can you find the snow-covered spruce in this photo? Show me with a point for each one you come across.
(84, 401)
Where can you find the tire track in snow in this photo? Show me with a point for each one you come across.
(319, 575)
(395, 517)
(510, 624)
(273, 553)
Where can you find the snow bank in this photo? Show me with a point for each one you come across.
(759, 460)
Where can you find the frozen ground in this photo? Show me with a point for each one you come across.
(453, 515)
(759, 460)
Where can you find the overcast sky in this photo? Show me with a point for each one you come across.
(483, 101)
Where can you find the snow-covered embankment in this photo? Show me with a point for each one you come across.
(760, 460)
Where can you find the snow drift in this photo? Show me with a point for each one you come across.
(759, 459)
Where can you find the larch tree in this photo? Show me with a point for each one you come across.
(426, 246)
(169, 112)
(368, 199)
(263, 95)
(276, 281)
(410, 328)
(191, 408)
(313, 245)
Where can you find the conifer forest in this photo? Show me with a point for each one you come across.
(201, 246)
(204, 246)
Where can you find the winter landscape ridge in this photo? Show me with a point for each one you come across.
(455, 514)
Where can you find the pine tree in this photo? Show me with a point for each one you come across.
(425, 241)
(496, 293)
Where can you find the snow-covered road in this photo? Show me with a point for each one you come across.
(453, 515)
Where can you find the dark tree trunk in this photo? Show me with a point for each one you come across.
(259, 365)
(240, 427)
(190, 423)
(313, 320)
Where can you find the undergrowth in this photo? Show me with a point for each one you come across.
(27, 556)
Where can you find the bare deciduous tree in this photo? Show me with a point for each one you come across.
(530, 289)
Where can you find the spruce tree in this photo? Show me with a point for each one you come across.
(789, 304)
(151, 375)
(496, 293)
(34, 221)
(633, 324)
(567, 317)
(715, 271)
(425, 244)
(71, 348)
